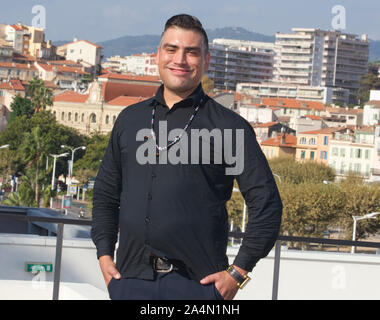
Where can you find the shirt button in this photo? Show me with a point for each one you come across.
(153, 175)
(147, 220)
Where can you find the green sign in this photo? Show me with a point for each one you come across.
(38, 266)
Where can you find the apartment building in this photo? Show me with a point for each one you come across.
(139, 64)
(281, 145)
(6, 51)
(315, 144)
(371, 108)
(235, 61)
(326, 95)
(352, 151)
(85, 52)
(314, 57)
(22, 71)
(375, 166)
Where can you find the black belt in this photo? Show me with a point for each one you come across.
(162, 265)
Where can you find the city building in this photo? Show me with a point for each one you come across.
(375, 166)
(325, 95)
(66, 77)
(371, 109)
(139, 64)
(314, 57)
(13, 70)
(6, 51)
(315, 144)
(352, 151)
(235, 61)
(267, 130)
(82, 51)
(343, 116)
(98, 108)
(281, 145)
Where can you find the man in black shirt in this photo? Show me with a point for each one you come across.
(164, 181)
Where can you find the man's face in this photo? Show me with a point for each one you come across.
(182, 59)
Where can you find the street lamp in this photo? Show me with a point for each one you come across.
(276, 175)
(55, 156)
(371, 215)
(244, 212)
(71, 165)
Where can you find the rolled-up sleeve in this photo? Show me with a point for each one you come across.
(106, 198)
(263, 201)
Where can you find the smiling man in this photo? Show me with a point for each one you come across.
(172, 218)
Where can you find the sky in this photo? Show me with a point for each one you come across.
(100, 20)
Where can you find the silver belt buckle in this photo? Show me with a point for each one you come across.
(162, 270)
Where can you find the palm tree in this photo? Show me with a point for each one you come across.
(40, 95)
(34, 149)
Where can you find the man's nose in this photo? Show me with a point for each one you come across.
(180, 57)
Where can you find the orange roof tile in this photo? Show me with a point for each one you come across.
(313, 117)
(71, 96)
(112, 90)
(17, 65)
(263, 125)
(293, 103)
(324, 130)
(118, 76)
(290, 141)
(125, 101)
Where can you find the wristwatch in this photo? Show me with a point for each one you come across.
(240, 279)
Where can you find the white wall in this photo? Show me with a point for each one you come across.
(303, 274)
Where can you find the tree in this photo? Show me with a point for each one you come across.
(207, 84)
(368, 82)
(31, 141)
(39, 95)
(21, 106)
(292, 171)
(35, 150)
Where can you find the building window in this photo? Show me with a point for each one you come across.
(324, 155)
(312, 155)
(63, 116)
(367, 154)
(335, 151)
(357, 167)
(303, 140)
(82, 117)
(107, 119)
(69, 117)
(93, 118)
(358, 153)
(76, 117)
(113, 119)
(343, 152)
(325, 140)
(303, 154)
(312, 141)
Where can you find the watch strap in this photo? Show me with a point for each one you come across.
(240, 279)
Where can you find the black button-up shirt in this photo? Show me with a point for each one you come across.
(178, 210)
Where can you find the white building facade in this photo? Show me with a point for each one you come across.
(321, 58)
(235, 61)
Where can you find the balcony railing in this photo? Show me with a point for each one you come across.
(20, 215)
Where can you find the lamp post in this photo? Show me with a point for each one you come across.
(371, 215)
(71, 165)
(276, 175)
(244, 212)
(55, 156)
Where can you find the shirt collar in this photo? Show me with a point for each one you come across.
(192, 100)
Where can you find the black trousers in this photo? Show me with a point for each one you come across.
(165, 286)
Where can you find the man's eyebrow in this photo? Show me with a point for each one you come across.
(169, 45)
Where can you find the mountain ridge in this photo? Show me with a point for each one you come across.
(128, 45)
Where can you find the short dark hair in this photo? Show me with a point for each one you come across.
(187, 22)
